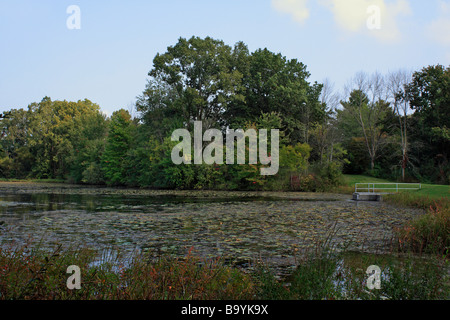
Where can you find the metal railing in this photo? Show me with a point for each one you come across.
(379, 187)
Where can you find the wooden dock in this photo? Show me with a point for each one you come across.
(367, 196)
(375, 191)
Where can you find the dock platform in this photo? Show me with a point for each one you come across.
(367, 196)
(373, 191)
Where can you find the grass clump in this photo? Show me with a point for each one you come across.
(342, 276)
(430, 233)
(35, 274)
(39, 275)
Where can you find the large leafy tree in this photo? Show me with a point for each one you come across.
(15, 157)
(429, 94)
(272, 83)
(196, 79)
(88, 137)
(205, 79)
(14, 131)
(50, 139)
(51, 134)
(114, 158)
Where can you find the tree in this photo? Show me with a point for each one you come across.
(160, 109)
(117, 147)
(88, 137)
(272, 83)
(429, 94)
(196, 80)
(16, 159)
(51, 128)
(368, 107)
(397, 85)
(224, 86)
(324, 134)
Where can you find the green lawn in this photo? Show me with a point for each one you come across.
(429, 190)
(350, 179)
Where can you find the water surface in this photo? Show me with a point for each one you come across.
(273, 227)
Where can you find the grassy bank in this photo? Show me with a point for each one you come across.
(431, 232)
(431, 191)
(37, 275)
(40, 275)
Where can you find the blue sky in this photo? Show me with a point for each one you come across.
(107, 60)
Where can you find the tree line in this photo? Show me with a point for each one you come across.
(392, 126)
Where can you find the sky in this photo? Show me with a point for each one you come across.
(104, 50)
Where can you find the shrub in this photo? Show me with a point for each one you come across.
(27, 274)
(428, 234)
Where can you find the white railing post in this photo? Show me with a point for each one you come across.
(390, 186)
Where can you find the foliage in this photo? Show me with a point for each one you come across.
(195, 79)
(430, 98)
(117, 146)
(204, 79)
(36, 274)
(295, 158)
(430, 233)
(342, 276)
(27, 274)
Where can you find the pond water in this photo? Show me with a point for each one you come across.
(238, 226)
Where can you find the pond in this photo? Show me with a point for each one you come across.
(239, 226)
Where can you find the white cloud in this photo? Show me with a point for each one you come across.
(297, 8)
(439, 29)
(353, 16)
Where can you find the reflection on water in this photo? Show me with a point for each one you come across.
(29, 204)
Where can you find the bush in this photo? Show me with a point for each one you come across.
(332, 276)
(428, 234)
(35, 274)
(39, 275)
(329, 176)
(93, 174)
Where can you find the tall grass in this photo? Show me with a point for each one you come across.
(323, 274)
(40, 275)
(409, 199)
(342, 276)
(429, 233)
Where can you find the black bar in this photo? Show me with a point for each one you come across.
(221, 309)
